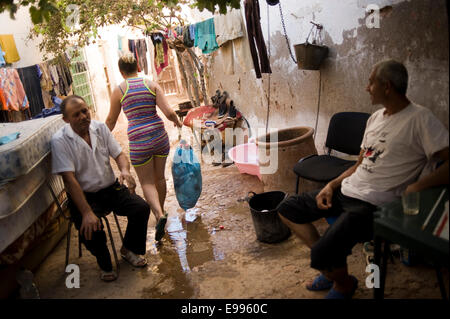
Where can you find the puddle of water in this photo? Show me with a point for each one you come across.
(186, 245)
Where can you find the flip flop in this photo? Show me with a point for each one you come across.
(134, 259)
(108, 276)
(160, 231)
(320, 283)
(334, 294)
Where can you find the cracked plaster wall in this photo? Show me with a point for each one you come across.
(414, 32)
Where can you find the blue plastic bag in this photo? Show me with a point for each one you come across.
(187, 176)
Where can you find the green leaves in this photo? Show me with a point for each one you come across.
(54, 19)
(211, 5)
(42, 11)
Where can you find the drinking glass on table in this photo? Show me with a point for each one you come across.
(411, 203)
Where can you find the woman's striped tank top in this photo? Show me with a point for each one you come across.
(146, 132)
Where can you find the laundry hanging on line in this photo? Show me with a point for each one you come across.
(253, 19)
(188, 36)
(32, 85)
(139, 49)
(161, 57)
(8, 45)
(205, 36)
(12, 91)
(233, 41)
(2, 57)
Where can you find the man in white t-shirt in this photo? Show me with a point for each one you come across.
(399, 141)
(81, 152)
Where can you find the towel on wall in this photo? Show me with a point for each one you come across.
(228, 26)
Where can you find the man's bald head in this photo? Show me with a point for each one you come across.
(68, 100)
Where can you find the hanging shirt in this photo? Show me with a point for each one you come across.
(205, 36)
(396, 149)
(9, 47)
(13, 91)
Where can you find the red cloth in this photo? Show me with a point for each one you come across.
(161, 66)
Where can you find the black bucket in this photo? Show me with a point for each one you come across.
(264, 208)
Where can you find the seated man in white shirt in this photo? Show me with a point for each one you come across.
(399, 140)
(80, 154)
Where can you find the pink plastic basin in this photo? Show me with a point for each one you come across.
(245, 156)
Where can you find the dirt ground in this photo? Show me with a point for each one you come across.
(198, 259)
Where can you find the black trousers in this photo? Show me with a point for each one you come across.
(254, 32)
(116, 198)
(354, 224)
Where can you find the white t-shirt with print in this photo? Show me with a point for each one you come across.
(70, 153)
(396, 149)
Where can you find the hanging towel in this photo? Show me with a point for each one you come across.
(9, 46)
(205, 36)
(2, 57)
(13, 91)
(233, 41)
(228, 26)
(254, 32)
(32, 85)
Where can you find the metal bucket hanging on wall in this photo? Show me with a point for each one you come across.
(311, 55)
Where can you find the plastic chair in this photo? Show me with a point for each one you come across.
(345, 134)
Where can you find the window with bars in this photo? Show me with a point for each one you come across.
(81, 79)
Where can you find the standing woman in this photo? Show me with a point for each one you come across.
(149, 143)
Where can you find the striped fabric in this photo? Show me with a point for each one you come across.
(146, 131)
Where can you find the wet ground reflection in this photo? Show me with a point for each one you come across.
(186, 245)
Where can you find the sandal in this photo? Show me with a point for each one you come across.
(320, 283)
(334, 294)
(108, 276)
(160, 231)
(134, 259)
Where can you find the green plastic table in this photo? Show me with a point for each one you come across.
(392, 225)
